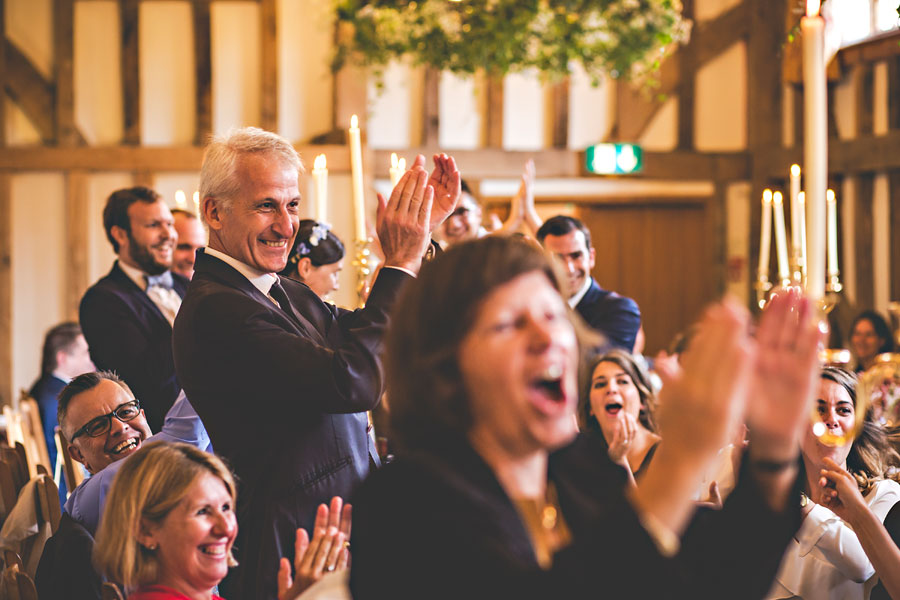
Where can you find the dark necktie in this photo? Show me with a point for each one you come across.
(280, 296)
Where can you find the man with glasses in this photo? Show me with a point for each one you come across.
(104, 423)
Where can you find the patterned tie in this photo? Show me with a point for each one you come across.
(160, 291)
(163, 280)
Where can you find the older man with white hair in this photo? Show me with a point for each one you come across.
(281, 380)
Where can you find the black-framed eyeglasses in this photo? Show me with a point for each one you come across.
(100, 425)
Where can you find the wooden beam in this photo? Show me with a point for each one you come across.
(636, 107)
(559, 109)
(143, 178)
(130, 65)
(894, 195)
(493, 163)
(202, 72)
(4, 75)
(893, 92)
(493, 118)
(686, 87)
(77, 226)
(269, 65)
(861, 154)
(431, 107)
(28, 88)
(6, 291)
(138, 158)
(878, 47)
(865, 99)
(63, 49)
(863, 231)
(764, 90)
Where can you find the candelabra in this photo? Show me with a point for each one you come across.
(363, 264)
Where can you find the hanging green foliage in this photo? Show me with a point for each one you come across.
(620, 38)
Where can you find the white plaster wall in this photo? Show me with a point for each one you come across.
(737, 239)
(234, 44)
(29, 25)
(880, 99)
(19, 130)
(38, 276)
(661, 134)
(97, 73)
(166, 50)
(787, 112)
(100, 254)
(523, 111)
(591, 109)
(460, 119)
(340, 215)
(720, 108)
(391, 108)
(845, 105)
(304, 78)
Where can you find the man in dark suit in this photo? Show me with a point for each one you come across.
(281, 380)
(616, 317)
(127, 316)
(65, 355)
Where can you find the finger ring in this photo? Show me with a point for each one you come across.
(346, 544)
(329, 568)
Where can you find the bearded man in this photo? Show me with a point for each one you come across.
(127, 316)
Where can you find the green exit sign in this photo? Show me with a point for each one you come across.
(612, 159)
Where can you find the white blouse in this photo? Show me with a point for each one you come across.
(825, 560)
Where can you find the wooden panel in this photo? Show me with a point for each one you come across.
(63, 48)
(893, 92)
(28, 88)
(686, 87)
(764, 89)
(77, 227)
(865, 153)
(798, 117)
(493, 121)
(635, 258)
(894, 191)
(559, 107)
(6, 292)
(269, 66)
(865, 102)
(885, 45)
(130, 64)
(3, 79)
(863, 231)
(203, 72)
(143, 178)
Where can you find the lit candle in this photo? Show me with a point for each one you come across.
(801, 203)
(780, 236)
(359, 201)
(815, 143)
(795, 210)
(401, 164)
(197, 204)
(765, 237)
(396, 172)
(180, 199)
(320, 177)
(831, 202)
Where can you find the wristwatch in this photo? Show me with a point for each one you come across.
(804, 500)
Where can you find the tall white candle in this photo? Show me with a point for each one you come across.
(396, 173)
(795, 210)
(359, 200)
(765, 234)
(320, 177)
(815, 143)
(780, 236)
(831, 202)
(197, 203)
(180, 200)
(801, 213)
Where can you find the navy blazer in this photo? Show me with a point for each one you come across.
(45, 392)
(128, 334)
(284, 399)
(615, 316)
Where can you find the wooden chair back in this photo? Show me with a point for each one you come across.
(47, 500)
(17, 585)
(111, 591)
(9, 492)
(32, 434)
(72, 471)
(10, 558)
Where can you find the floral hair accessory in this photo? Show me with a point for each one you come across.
(319, 233)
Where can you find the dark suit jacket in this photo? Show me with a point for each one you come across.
(284, 401)
(128, 334)
(438, 524)
(615, 316)
(45, 391)
(65, 570)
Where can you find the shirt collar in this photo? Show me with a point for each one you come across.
(260, 280)
(134, 274)
(574, 300)
(61, 377)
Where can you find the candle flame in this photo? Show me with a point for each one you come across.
(393, 160)
(401, 164)
(180, 200)
(795, 170)
(354, 122)
(812, 8)
(801, 197)
(830, 197)
(767, 195)
(777, 198)
(319, 163)
(196, 198)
